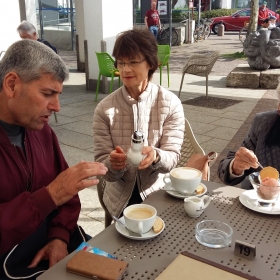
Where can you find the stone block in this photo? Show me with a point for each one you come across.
(243, 76)
(269, 78)
(181, 35)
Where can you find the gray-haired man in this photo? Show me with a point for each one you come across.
(39, 205)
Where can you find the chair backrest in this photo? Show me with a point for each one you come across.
(163, 54)
(190, 145)
(200, 64)
(106, 64)
(100, 191)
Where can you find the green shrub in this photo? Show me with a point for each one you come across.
(218, 13)
(181, 14)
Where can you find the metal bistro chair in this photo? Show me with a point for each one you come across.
(190, 146)
(163, 59)
(199, 65)
(100, 190)
(106, 69)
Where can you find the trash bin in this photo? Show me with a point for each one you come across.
(221, 30)
(189, 28)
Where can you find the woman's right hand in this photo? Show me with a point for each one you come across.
(118, 159)
(244, 159)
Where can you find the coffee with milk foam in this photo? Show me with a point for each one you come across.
(184, 173)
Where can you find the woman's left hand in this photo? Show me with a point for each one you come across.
(151, 155)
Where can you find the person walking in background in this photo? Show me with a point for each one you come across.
(272, 21)
(266, 24)
(27, 30)
(152, 20)
(263, 13)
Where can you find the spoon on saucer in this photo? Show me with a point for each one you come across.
(182, 193)
(120, 223)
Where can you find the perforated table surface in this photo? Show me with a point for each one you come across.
(148, 258)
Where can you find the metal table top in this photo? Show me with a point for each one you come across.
(148, 258)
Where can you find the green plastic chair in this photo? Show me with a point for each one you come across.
(163, 59)
(106, 69)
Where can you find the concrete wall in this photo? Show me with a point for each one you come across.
(12, 12)
(61, 39)
(103, 20)
(9, 20)
(225, 4)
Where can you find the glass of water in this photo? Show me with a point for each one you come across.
(213, 234)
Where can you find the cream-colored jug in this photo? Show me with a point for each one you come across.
(194, 205)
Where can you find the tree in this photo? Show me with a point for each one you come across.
(254, 5)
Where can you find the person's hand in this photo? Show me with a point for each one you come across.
(74, 179)
(54, 251)
(151, 155)
(118, 158)
(244, 159)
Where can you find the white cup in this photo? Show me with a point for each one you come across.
(140, 218)
(183, 179)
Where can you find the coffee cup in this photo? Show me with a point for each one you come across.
(183, 179)
(140, 218)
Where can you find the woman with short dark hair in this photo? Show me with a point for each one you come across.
(139, 105)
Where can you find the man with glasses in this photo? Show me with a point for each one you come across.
(152, 20)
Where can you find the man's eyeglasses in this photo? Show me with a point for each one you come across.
(130, 64)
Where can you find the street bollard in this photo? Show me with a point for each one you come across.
(221, 30)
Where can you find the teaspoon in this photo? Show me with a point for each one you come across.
(260, 165)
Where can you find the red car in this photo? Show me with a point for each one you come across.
(236, 21)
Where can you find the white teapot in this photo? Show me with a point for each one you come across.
(194, 206)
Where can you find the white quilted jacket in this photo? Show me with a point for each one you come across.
(159, 115)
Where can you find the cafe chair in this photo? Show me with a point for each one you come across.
(199, 65)
(190, 147)
(100, 191)
(163, 60)
(106, 69)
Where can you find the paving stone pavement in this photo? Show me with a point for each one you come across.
(218, 130)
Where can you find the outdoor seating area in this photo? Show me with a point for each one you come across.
(206, 131)
(146, 149)
(74, 126)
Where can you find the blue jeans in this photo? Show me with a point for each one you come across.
(154, 30)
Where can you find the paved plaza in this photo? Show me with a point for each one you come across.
(215, 129)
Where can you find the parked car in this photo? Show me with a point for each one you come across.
(236, 21)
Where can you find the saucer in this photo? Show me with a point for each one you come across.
(148, 235)
(182, 196)
(249, 199)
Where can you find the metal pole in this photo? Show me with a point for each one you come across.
(199, 11)
(170, 23)
(41, 19)
(189, 28)
(72, 25)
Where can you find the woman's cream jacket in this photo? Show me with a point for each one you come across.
(159, 115)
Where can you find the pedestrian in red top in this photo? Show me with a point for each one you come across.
(263, 13)
(152, 20)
